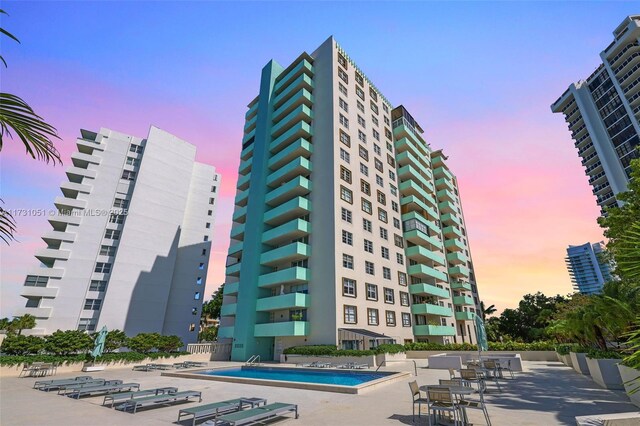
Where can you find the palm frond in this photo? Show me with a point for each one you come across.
(7, 225)
(16, 116)
(8, 34)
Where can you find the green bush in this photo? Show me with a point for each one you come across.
(389, 348)
(493, 346)
(115, 340)
(144, 342)
(564, 348)
(68, 342)
(311, 350)
(169, 343)
(105, 358)
(599, 354)
(423, 346)
(16, 344)
(332, 350)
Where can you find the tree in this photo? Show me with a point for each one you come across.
(15, 344)
(169, 343)
(211, 309)
(4, 323)
(144, 342)
(115, 340)
(208, 334)
(25, 322)
(528, 322)
(487, 311)
(68, 342)
(17, 117)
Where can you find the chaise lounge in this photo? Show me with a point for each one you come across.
(215, 409)
(112, 388)
(39, 384)
(123, 396)
(134, 403)
(254, 415)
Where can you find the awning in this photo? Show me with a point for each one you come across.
(367, 333)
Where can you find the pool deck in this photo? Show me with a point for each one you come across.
(546, 393)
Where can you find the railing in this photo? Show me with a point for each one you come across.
(254, 360)
(415, 366)
(212, 348)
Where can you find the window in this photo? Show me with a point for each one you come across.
(92, 304)
(344, 121)
(346, 215)
(392, 176)
(345, 155)
(384, 234)
(366, 225)
(398, 241)
(375, 121)
(404, 298)
(388, 295)
(400, 258)
(386, 119)
(373, 94)
(112, 234)
(361, 121)
(205, 238)
(212, 201)
(364, 169)
(385, 108)
(107, 250)
(199, 281)
(360, 106)
(377, 150)
(406, 319)
(192, 327)
(87, 324)
(359, 79)
(116, 218)
(209, 212)
(366, 206)
(207, 225)
(363, 152)
(368, 246)
(343, 104)
(135, 148)
(345, 138)
(382, 199)
(348, 287)
(342, 89)
(391, 318)
(346, 195)
(385, 252)
(372, 316)
(390, 160)
(33, 302)
(395, 207)
(378, 165)
(365, 187)
(101, 267)
(345, 174)
(361, 136)
(196, 296)
(376, 134)
(343, 75)
(201, 266)
(368, 268)
(347, 237)
(372, 292)
(120, 203)
(342, 60)
(128, 175)
(360, 93)
(387, 133)
(374, 107)
(382, 215)
(132, 161)
(389, 147)
(36, 281)
(386, 273)
(380, 181)
(204, 252)
(350, 314)
(402, 278)
(347, 261)
(396, 223)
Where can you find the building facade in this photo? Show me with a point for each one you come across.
(130, 241)
(603, 112)
(588, 268)
(348, 227)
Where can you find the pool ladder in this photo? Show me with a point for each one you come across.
(254, 360)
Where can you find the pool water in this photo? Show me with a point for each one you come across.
(327, 377)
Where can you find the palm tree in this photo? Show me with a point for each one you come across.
(25, 322)
(18, 119)
(487, 311)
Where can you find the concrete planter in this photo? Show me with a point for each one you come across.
(579, 362)
(566, 360)
(88, 368)
(524, 355)
(605, 372)
(305, 359)
(445, 361)
(628, 374)
(382, 359)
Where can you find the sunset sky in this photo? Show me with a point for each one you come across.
(478, 77)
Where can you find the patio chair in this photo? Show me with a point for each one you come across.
(502, 366)
(455, 382)
(480, 404)
(441, 400)
(452, 373)
(472, 376)
(492, 367)
(417, 398)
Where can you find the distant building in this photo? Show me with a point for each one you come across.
(603, 112)
(131, 239)
(588, 268)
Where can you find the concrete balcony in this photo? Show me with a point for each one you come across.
(47, 272)
(228, 310)
(451, 219)
(435, 229)
(303, 66)
(456, 258)
(225, 332)
(430, 309)
(423, 289)
(413, 203)
(296, 187)
(231, 289)
(242, 198)
(465, 316)
(247, 137)
(424, 271)
(83, 160)
(253, 109)
(47, 255)
(292, 209)
(88, 147)
(433, 330)
(247, 152)
(301, 113)
(408, 159)
(289, 231)
(461, 285)
(459, 272)
(289, 253)
(282, 329)
(299, 148)
(421, 254)
(76, 173)
(409, 172)
(443, 183)
(451, 232)
(405, 145)
(418, 237)
(303, 96)
(283, 301)
(41, 313)
(302, 82)
(240, 214)
(243, 181)
(72, 189)
(441, 172)
(447, 207)
(245, 166)
(446, 195)
(402, 131)
(294, 275)
(45, 292)
(300, 130)
(237, 231)
(233, 270)
(298, 167)
(64, 203)
(437, 162)
(463, 300)
(454, 245)
(55, 236)
(250, 124)
(235, 250)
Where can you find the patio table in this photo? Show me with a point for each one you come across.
(458, 390)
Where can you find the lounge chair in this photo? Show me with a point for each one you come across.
(161, 366)
(347, 365)
(123, 396)
(112, 388)
(134, 403)
(58, 386)
(196, 363)
(38, 369)
(360, 366)
(254, 415)
(217, 408)
(41, 383)
(88, 384)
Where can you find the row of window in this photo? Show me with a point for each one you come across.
(369, 267)
(351, 316)
(350, 289)
(347, 195)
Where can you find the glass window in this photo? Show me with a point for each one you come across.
(382, 199)
(347, 237)
(406, 319)
(346, 194)
(104, 268)
(364, 169)
(361, 121)
(345, 174)
(363, 153)
(372, 292)
(344, 121)
(345, 138)
(343, 104)
(347, 261)
(372, 316)
(343, 75)
(366, 225)
(388, 295)
(345, 155)
(402, 278)
(349, 287)
(404, 298)
(385, 252)
(368, 246)
(386, 273)
(346, 215)
(391, 318)
(382, 215)
(380, 181)
(366, 206)
(365, 187)
(342, 89)
(368, 268)
(350, 314)
(398, 241)
(400, 258)
(384, 234)
(92, 304)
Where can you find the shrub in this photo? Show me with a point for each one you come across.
(331, 350)
(15, 344)
(389, 348)
(105, 358)
(493, 346)
(115, 340)
(312, 350)
(564, 348)
(169, 343)
(144, 342)
(68, 342)
(599, 354)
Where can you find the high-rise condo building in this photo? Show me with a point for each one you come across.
(130, 240)
(348, 228)
(588, 268)
(602, 114)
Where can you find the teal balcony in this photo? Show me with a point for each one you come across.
(423, 289)
(402, 131)
(300, 130)
(228, 310)
(292, 209)
(408, 159)
(242, 198)
(456, 258)
(405, 145)
(441, 172)
(447, 207)
(421, 254)
(409, 172)
(443, 183)
(240, 214)
(250, 124)
(301, 113)
(234, 269)
(300, 148)
(430, 309)
(289, 253)
(283, 301)
(463, 300)
(412, 187)
(459, 272)
(452, 232)
(294, 275)
(437, 162)
(247, 152)
(247, 137)
(433, 330)
(235, 250)
(296, 187)
(225, 332)
(415, 215)
(303, 66)
(424, 271)
(413, 203)
(445, 195)
(465, 316)
(302, 97)
(243, 181)
(231, 289)
(302, 82)
(289, 231)
(460, 285)
(245, 166)
(298, 167)
(253, 108)
(451, 219)
(454, 245)
(282, 329)
(418, 237)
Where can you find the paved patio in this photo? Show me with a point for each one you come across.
(547, 393)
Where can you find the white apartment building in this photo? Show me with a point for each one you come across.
(130, 241)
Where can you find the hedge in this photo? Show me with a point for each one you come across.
(600, 354)
(493, 346)
(332, 350)
(67, 359)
